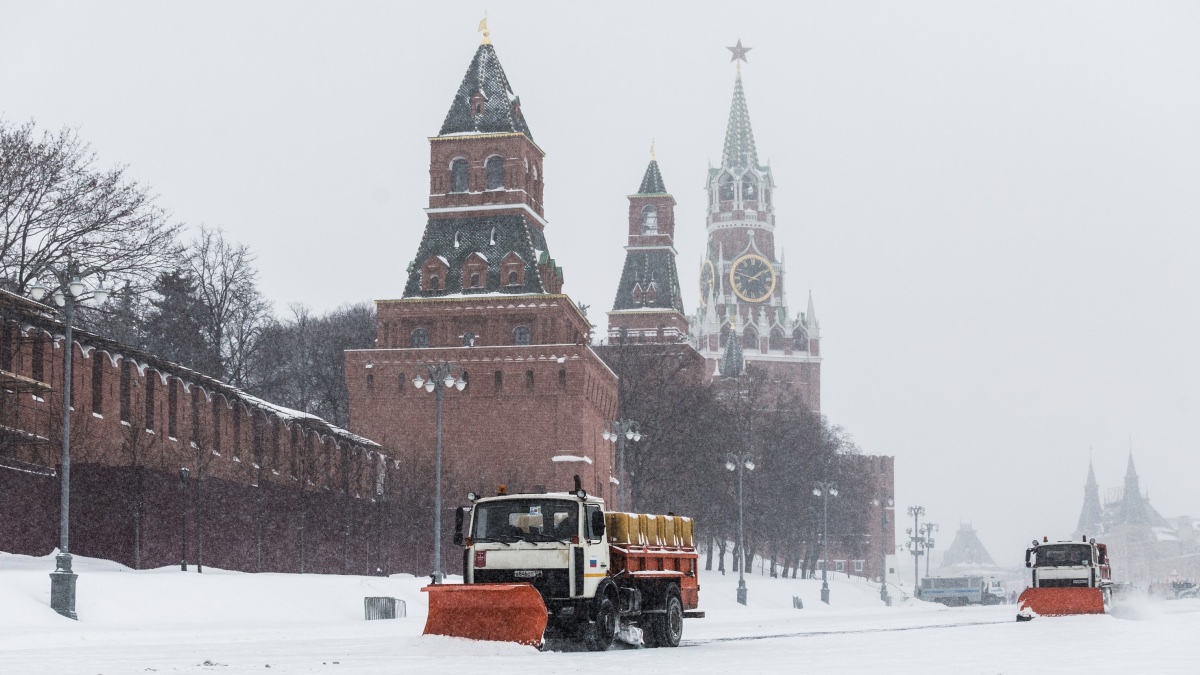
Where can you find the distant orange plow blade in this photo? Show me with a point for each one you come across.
(499, 612)
(1061, 601)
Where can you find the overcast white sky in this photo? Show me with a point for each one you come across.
(994, 204)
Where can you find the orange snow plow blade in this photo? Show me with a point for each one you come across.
(1060, 601)
(499, 612)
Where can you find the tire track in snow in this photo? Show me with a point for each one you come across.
(817, 633)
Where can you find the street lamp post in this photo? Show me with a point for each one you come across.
(69, 291)
(183, 486)
(735, 462)
(621, 432)
(884, 505)
(928, 529)
(439, 373)
(825, 489)
(916, 546)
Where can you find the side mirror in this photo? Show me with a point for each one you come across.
(1027, 552)
(598, 524)
(459, 514)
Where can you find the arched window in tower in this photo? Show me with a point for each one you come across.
(420, 338)
(749, 188)
(522, 335)
(495, 172)
(458, 175)
(724, 336)
(650, 219)
(725, 188)
(638, 295)
(800, 340)
(775, 341)
(512, 269)
(474, 272)
(651, 293)
(750, 339)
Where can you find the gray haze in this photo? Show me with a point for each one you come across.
(995, 205)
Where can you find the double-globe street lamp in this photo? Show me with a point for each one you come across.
(916, 546)
(826, 489)
(69, 290)
(621, 432)
(735, 462)
(883, 504)
(444, 374)
(927, 530)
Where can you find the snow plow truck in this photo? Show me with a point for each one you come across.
(1068, 577)
(558, 566)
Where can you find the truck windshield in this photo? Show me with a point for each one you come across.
(526, 520)
(1063, 555)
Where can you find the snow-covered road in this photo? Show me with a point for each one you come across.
(168, 622)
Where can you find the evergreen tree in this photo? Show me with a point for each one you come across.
(173, 329)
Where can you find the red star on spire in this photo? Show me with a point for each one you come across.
(739, 52)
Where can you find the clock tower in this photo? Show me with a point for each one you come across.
(742, 295)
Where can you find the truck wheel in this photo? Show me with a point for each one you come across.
(666, 629)
(598, 635)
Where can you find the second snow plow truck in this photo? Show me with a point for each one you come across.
(1068, 577)
(557, 565)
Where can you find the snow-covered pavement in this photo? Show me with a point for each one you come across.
(220, 622)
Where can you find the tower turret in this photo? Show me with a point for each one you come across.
(648, 306)
(1091, 518)
(485, 231)
(1132, 508)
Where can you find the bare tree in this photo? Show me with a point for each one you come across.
(302, 361)
(56, 203)
(234, 314)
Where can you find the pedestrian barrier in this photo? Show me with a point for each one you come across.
(383, 608)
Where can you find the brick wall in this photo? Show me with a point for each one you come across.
(264, 481)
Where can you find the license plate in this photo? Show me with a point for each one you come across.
(526, 574)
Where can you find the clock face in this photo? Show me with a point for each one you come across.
(752, 278)
(707, 274)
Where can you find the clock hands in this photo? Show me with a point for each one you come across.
(751, 278)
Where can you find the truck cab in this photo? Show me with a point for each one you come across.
(1068, 564)
(997, 593)
(553, 541)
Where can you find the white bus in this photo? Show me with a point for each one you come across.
(963, 590)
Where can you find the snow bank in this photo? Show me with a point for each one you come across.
(164, 620)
